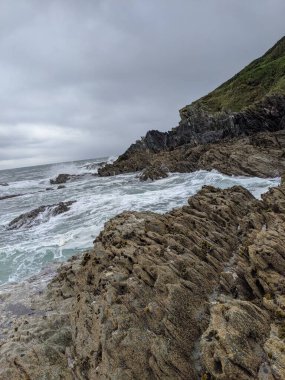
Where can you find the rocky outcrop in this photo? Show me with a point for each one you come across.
(39, 215)
(197, 293)
(63, 178)
(153, 173)
(260, 155)
(200, 129)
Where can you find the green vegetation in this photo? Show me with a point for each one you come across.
(264, 76)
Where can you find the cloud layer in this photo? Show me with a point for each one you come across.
(83, 79)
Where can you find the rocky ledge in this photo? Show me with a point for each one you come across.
(261, 154)
(249, 142)
(197, 293)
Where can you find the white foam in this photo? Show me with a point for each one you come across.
(24, 252)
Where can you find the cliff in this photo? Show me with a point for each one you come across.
(197, 293)
(251, 102)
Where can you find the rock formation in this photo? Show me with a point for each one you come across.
(63, 178)
(39, 215)
(197, 293)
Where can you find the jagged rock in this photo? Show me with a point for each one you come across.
(257, 155)
(62, 178)
(39, 215)
(153, 173)
(195, 293)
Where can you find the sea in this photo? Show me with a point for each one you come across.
(26, 250)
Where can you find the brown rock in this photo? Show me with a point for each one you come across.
(197, 293)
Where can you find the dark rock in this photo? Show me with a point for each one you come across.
(259, 155)
(61, 178)
(9, 196)
(49, 188)
(61, 187)
(39, 215)
(4, 184)
(199, 128)
(153, 173)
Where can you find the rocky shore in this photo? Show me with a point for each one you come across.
(261, 155)
(197, 293)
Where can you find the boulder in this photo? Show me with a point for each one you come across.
(61, 178)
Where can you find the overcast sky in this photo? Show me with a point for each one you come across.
(86, 78)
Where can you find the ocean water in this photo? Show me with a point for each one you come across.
(25, 251)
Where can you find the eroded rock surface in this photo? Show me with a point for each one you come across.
(261, 154)
(39, 215)
(197, 293)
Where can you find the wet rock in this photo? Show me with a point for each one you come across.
(61, 187)
(49, 188)
(39, 215)
(4, 184)
(95, 165)
(153, 173)
(9, 196)
(62, 178)
(260, 155)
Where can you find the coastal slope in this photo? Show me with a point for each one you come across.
(250, 103)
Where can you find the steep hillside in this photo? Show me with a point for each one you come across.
(251, 102)
(264, 76)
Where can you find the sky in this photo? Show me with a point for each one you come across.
(86, 78)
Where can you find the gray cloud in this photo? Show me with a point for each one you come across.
(80, 79)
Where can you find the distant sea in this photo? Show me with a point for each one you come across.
(26, 251)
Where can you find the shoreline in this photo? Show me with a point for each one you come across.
(153, 279)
